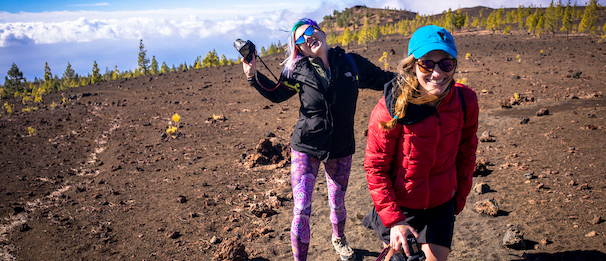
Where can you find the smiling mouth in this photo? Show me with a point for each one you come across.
(436, 81)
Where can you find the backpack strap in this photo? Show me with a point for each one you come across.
(355, 67)
(462, 103)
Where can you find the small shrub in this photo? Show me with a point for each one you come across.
(174, 124)
(31, 131)
(383, 60)
(26, 99)
(171, 130)
(8, 108)
(462, 81)
(28, 109)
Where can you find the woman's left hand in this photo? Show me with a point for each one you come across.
(398, 234)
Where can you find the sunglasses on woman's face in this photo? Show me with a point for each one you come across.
(309, 31)
(446, 65)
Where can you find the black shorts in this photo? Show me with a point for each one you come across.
(434, 225)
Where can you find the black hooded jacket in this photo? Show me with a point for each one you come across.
(326, 116)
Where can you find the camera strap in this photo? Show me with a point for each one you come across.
(383, 253)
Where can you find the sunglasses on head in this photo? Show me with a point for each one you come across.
(446, 65)
(309, 31)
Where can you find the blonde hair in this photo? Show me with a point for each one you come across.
(407, 91)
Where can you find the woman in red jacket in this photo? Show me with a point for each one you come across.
(420, 153)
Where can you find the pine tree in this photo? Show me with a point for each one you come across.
(69, 72)
(67, 78)
(475, 22)
(263, 51)
(449, 20)
(499, 18)
(115, 73)
(467, 21)
(223, 60)
(364, 34)
(376, 33)
(346, 38)
(211, 59)
(164, 68)
(272, 49)
(49, 82)
(96, 75)
(520, 17)
(510, 17)
(567, 20)
(540, 26)
(590, 17)
(13, 82)
(143, 61)
(154, 66)
(461, 20)
(491, 22)
(533, 20)
(551, 19)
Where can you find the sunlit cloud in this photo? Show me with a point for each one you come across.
(151, 24)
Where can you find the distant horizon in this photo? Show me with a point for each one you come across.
(35, 32)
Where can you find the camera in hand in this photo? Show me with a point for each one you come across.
(245, 48)
(415, 251)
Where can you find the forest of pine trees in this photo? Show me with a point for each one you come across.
(555, 19)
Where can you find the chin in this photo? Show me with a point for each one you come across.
(435, 90)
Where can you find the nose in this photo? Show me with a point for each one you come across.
(306, 37)
(436, 70)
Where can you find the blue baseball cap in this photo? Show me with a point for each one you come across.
(429, 38)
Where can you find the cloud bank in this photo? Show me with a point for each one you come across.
(85, 29)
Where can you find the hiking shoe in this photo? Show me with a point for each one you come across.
(340, 244)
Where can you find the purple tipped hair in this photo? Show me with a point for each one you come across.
(293, 52)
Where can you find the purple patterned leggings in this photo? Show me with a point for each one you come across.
(304, 171)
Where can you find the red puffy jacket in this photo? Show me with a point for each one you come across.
(424, 164)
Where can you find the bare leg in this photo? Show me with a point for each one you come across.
(435, 252)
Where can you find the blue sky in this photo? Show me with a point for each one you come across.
(35, 32)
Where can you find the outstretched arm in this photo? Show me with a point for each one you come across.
(371, 76)
(275, 92)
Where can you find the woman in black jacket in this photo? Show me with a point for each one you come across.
(327, 81)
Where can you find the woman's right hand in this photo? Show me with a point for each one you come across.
(398, 234)
(250, 68)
